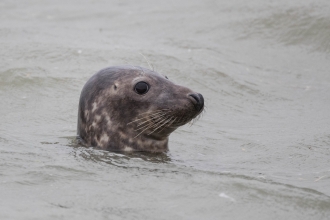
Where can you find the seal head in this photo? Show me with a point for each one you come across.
(126, 108)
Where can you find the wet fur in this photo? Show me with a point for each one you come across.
(113, 116)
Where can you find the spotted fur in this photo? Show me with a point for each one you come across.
(113, 116)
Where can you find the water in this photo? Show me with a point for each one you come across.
(260, 151)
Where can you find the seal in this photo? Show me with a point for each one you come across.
(128, 108)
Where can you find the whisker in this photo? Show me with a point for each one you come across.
(144, 126)
(180, 120)
(190, 122)
(171, 122)
(159, 126)
(139, 119)
(153, 117)
(142, 71)
(141, 132)
(159, 110)
(151, 125)
(158, 122)
(167, 125)
(150, 66)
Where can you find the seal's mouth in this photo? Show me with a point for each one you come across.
(164, 121)
(174, 118)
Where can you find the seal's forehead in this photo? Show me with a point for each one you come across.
(151, 77)
(149, 73)
(136, 73)
(127, 75)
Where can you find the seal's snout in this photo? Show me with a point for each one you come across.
(198, 101)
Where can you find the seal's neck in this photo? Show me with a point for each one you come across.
(147, 144)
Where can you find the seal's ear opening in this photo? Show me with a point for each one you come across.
(141, 88)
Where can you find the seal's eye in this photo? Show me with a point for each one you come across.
(141, 88)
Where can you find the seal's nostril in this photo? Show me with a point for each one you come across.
(195, 97)
(199, 104)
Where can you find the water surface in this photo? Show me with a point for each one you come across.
(260, 151)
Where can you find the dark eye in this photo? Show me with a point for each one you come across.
(141, 88)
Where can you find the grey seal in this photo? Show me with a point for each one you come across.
(128, 108)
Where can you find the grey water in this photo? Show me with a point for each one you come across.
(261, 150)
